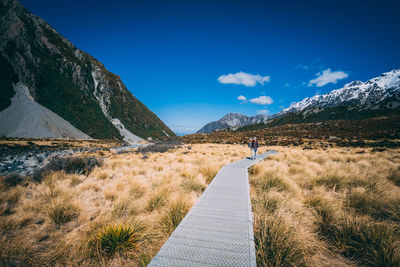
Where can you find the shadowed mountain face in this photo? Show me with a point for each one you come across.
(68, 81)
(357, 100)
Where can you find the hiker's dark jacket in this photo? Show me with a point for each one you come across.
(254, 144)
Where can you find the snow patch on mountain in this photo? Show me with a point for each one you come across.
(126, 135)
(27, 118)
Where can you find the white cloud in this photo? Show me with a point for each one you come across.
(287, 84)
(327, 76)
(262, 100)
(263, 111)
(242, 98)
(243, 78)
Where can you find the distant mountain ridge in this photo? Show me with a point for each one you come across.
(232, 120)
(356, 93)
(377, 96)
(66, 81)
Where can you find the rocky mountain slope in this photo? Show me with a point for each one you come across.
(67, 81)
(232, 120)
(379, 96)
(357, 94)
(25, 117)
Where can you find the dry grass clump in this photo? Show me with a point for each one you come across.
(255, 169)
(270, 180)
(277, 242)
(190, 183)
(102, 176)
(61, 212)
(394, 176)
(9, 198)
(57, 220)
(209, 172)
(376, 205)
(175, 213)
(327, 207)
(137, 190)
(158, 200)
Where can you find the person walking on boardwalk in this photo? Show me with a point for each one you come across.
(249, 146)
(254, 147)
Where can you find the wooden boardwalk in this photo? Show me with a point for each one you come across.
(218, 230)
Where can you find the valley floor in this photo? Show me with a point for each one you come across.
(63, 218)
(373, 132)
(311, 207)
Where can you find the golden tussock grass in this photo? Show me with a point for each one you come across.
(118, 215)
(338, 206)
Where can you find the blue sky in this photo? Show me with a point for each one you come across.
(189, 61)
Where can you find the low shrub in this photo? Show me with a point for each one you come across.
(159, 147)
(77, 165)
(13, 180)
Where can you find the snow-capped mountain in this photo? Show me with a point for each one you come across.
(232, 120)
(67, 86)
(375, 97)
(357, 93)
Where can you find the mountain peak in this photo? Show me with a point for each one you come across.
(233, 115)
(232, 120)
(353, 94)
(66, 81)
